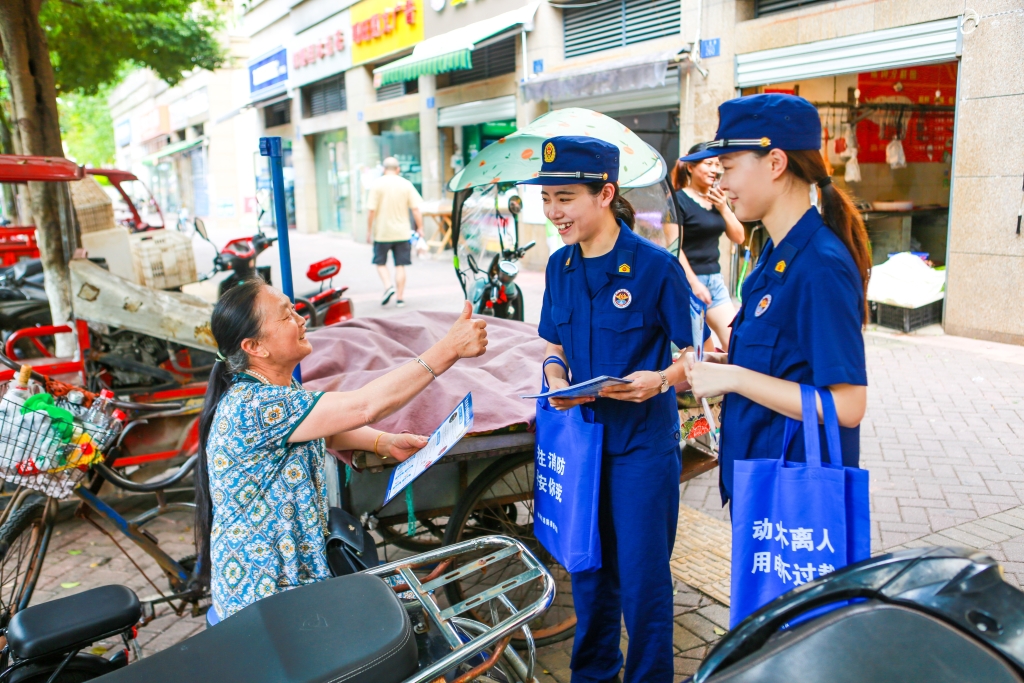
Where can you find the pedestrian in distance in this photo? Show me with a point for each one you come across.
(391, 199)
(805, 302)
(612, 307)
(705, 216)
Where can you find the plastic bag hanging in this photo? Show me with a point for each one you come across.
(894, 155)
(852, 168)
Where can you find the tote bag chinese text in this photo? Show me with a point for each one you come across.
(567, 480)
(794, 522)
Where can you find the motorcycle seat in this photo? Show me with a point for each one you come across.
(350, 629)
(67, 623)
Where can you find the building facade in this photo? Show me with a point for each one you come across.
(432, 82)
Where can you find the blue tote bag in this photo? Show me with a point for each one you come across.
(794, 522)
(566, 484)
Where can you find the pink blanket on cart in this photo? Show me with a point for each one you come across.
(348, 355)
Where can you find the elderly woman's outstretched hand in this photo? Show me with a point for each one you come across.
(468, 337)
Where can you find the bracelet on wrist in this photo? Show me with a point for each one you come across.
(375, 441)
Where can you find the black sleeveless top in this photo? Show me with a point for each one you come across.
(701, 231)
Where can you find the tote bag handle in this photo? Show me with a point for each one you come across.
(812, 445)
(543, 376)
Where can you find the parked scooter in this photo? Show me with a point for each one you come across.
(935, 615)
(382, 625)
(238, 258)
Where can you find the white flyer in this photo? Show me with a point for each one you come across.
(454, 427)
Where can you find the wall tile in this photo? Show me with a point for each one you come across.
(984, 219)
(991, 137)
(893, 13)
(842, 21)
(992, 62)
(983, 295)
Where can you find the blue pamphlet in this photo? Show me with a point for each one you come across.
(583, 389)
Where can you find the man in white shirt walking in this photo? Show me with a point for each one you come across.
(392, 197)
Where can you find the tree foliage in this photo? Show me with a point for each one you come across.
(91, 41)
(86, 128)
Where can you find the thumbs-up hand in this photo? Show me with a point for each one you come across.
(468, 337)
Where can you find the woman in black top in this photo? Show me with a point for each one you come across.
(705, 216)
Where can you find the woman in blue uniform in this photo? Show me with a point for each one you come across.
(804, 304)
(614, 302)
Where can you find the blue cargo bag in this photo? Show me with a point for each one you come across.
(567, 484)
(793, 522)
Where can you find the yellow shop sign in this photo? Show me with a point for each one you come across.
(380, 27)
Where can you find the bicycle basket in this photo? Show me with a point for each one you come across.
(45, 453)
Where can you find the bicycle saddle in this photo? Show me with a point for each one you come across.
(350, 629)
(67, 623)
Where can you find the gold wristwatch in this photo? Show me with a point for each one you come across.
(664, 381)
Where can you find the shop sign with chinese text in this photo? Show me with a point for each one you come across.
(322, 51)
(380, 27)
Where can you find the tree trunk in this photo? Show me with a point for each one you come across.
(26, 58)
(9, 198)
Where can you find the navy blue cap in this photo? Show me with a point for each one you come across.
(571, 159)
(769, 121)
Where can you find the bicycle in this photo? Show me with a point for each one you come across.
(27, 522)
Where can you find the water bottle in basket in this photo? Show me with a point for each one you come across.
(99, 413)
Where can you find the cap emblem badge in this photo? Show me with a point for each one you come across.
(763, 305)
(549, 152)
(622, 298)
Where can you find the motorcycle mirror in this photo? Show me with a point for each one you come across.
(201, 229)
(515, 204)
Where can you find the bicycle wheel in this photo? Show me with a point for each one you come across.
(428, 535)
(500, 501)
(21, 537)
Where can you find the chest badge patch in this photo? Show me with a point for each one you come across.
(622, 298)
(780, 267)
(763, 305)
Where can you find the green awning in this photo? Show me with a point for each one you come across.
(410, 68)
(453, 51)
(167, 151)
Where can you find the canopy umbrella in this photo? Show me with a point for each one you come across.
(517, 156)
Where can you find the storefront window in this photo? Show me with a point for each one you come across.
(264, 192)
(164, 182)
(478, 136)
(333, 182)
(400, 138)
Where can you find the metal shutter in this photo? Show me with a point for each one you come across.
(930, 43)
(488, 62)
(325, 97)
(391, 91)
(618, 23)
(763, 7)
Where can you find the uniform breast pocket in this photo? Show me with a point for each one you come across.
(620, 341)
(755, 345)
(563, 321)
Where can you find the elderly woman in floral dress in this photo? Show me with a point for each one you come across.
(261, 493)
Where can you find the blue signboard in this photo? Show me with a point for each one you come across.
(268, 71)
(712, 47)
(538, 66)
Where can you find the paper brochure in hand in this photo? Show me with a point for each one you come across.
(451, 431)
(583, 389)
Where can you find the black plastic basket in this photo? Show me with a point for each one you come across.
(45, 455)
(908, 319)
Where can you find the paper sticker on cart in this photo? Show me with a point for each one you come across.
(454, 427)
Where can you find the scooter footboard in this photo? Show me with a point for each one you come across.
(481, 555)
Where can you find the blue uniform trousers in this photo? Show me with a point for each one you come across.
(638, 512)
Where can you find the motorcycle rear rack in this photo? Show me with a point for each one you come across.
(446, 620)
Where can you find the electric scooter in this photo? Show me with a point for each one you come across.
(382, 625)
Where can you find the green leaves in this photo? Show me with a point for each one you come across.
(92, 41)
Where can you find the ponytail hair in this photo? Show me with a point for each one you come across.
(620, 206)
(235, 318)
(837, 211)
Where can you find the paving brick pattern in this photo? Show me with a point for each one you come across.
(943, 439)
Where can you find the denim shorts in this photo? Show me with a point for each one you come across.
(715, 285)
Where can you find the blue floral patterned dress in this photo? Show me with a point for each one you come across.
(269, 496)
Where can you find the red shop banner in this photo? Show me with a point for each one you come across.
(928, 136)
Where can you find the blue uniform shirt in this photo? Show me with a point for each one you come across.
(623, 327)
(801, 321)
